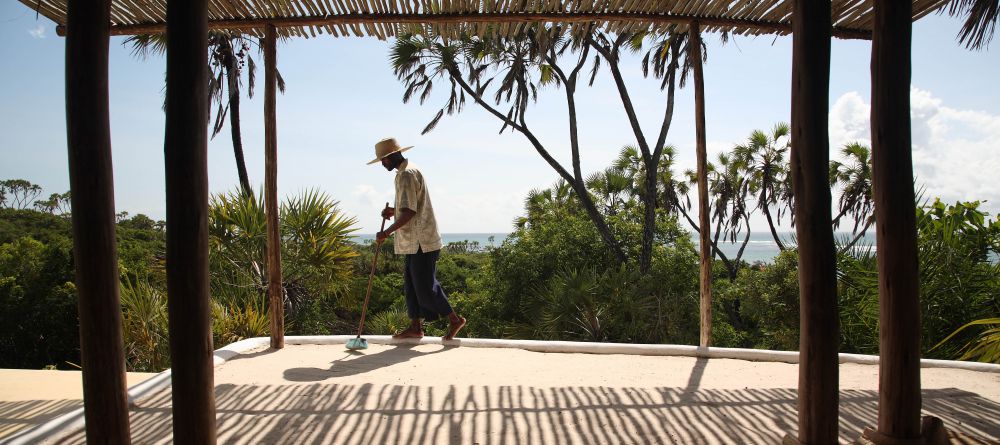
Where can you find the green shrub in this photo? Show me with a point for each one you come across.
(766, 300)
(38, 304)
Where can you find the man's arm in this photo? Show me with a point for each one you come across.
(405, 215)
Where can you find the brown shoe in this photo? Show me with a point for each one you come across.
(410, 332)
(454, 327)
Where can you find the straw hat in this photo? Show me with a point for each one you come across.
(386, 147)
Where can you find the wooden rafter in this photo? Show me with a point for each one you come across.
(385, 19)
(649, 19)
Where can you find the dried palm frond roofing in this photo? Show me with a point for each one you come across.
(451, 18)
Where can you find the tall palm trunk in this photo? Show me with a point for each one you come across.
(648, 221)
(770, 222)
(578, 184)
(650, 158)
(575, 179)
(233, 85)
(599, 223)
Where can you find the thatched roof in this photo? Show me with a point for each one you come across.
(386, 18)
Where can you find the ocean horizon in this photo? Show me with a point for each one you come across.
(761, 246)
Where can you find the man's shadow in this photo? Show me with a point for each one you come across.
(361, 363)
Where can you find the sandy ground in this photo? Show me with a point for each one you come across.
(30, 397)
(435, 394)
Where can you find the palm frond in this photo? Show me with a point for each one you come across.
(985, 347)
(144, 45)
(980, 23)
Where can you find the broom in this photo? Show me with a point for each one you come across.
(358, 342)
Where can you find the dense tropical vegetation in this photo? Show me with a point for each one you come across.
(553, 277)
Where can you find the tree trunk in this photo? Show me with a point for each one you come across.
(732, 270)
(598, 220)
(581, 191)
(746, 240)
(648, 222)
(858, 236)
(652, 170)
(578, 183)
(770, 222)
(95, 257)
(234, 126)
(650, 158)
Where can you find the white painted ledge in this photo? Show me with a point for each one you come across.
(630, 348)
(74, 421)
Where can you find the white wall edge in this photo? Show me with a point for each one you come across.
(630, 348)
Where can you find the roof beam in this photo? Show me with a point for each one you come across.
(768, 27)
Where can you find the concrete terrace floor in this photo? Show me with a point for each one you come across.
(29, 398)
(428, 393)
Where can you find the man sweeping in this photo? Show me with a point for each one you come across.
(417, 237)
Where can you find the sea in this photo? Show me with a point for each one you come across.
(761, 246)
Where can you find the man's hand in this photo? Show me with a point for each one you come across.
(381, 237)
(388, 212)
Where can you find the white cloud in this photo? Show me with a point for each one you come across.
(956, 153)
(458, 210)
(38, 32)
(472, 211)
(370, 199)
(849, 121)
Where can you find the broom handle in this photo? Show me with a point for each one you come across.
(368, 293)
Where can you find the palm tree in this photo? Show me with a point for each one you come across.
(763, 159)
(673, 190)
(519, 66)
(542, 202)
(856, 198)
(228, 58)
(668, 57)
(670, 187)
(18, 193)
(610, 188)
(729, 189)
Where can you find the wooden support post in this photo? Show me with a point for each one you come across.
(703, 211)
(276, 300)
(186, 162)
(88, 137)
(895, 223)
(810, 165)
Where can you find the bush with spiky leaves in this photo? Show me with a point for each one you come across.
(387, 322)
(985, 347)
(316, 254)
(144, 327)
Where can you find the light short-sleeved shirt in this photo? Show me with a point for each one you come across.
(422, 231)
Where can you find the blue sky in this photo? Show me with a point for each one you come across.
(342, 97)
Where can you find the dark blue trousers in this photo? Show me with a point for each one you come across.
(424, 296)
